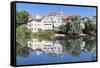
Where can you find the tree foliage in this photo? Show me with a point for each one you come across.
(21, 17)
(23, 34)
(90, 26)
(46, 35)
(72, 26)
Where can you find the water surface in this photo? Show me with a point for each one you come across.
(57, 51)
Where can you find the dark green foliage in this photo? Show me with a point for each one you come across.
(75, 46)
(21, 17)
(90, 44)
(23, 34)
(72, 45)
(90, 26)
(72, 26)
(22, 51)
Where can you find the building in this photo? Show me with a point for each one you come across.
(53, 21)
(34, 23)
(50, 22)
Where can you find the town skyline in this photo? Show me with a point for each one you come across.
(35, 9)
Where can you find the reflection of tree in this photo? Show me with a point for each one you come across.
(54, 54)
(22, 51)
(73, 45)
(90, 44)
(22, 35)
(93, 57)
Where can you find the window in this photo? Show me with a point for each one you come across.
(38, 24)
(47, 24)
(47, 19)
(44, 21)
(58, 21)
(32, 29)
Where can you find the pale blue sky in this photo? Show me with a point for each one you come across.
(43, 9)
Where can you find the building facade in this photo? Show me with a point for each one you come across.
(34, 23)
(50, 22)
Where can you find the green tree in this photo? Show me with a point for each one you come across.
(62, 28)
(90, 26)
(21, 17)
(73, 25)
(23, 34)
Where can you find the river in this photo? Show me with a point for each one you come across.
(57, 51)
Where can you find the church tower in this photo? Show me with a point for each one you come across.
(60, 12)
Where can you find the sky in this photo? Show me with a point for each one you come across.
(43, 9)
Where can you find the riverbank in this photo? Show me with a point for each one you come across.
(72, 36)
(51, 35)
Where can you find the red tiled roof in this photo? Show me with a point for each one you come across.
(30, 18)
(52, 14)
(65, 16)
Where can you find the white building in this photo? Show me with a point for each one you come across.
(49, 22)
(34, 23)
(53, 21)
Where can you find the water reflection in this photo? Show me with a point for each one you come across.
(75, 47)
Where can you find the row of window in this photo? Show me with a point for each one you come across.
(35, 29)
(53, 18)
(47, 24)
(34, 24)
(52, 21)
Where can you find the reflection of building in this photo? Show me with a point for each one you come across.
(53, 48)
(35, 44)
(58, 49)
(46, 46)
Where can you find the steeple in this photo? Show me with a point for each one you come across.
(60, 12)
